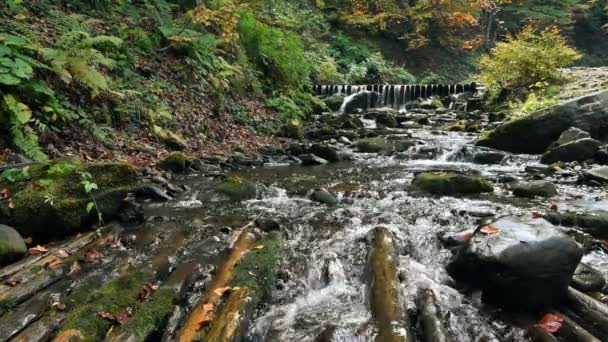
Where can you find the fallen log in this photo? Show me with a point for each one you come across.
(20, 317)
(428, 315)
(202, 313)
(572, 332)
(593, 313)
(226, 326)
(23, 267)
(41, 330)
(541, 335)
(389, 317)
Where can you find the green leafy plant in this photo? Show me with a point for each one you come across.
(15, 175)
(89, 187)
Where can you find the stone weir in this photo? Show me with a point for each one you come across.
(397, 95)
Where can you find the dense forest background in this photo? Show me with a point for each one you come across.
(107, 79)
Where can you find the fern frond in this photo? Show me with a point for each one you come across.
(26, 140)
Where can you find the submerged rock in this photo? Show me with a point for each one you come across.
(60, 208)
(12, 247)
(451, 183)
(578, 150)
(176, 162)
(371, 145)
(536, 188)
(534, 133)
(324, 196)
(594, 223)
(311, 159)
(526, 264)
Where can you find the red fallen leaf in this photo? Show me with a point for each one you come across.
(5, 193)
(12, 282)
(54, 264)
(550, 323)
(106, 315)
(537, 214)
(122, 317)
(489, 230)
(91, 256)
(147, 291)
(463, 236)
(59, 306)
(61, 254)
(37, 250)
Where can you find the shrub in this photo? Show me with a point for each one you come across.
(286, 107)
(328, 73)
(280, 55)
(375, 69)
(526, 59)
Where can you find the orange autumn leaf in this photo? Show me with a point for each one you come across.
(489, 230)
(221, 290)
(537, 214)
(55, 264)
(37, 250)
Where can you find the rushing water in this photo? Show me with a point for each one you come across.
(323, 270)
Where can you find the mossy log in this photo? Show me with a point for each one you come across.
(572, 332)
(201, 313)
(226, 326)
(593, 313)
(432, 328)
(541, 335)
(390, 319)
(36, 277)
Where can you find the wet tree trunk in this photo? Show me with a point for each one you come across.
(227, 325)
(572, 332)
(387, 311)
(594, 314)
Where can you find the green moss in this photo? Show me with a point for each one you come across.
(371, 145)
(59, 206)
(150, 315)
(113, 297)
(238, 189)
(176, 162)
(450, 183)
(257, 270)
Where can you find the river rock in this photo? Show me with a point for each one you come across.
(326, 152)
(601, 156)
(238, 189)
(12, 247)
(536, 188)
(61, 210)
(324, 196)
(534, 133)
(383, 119)
(358, 102)
(371, 145)
(451, 183)
(431, 103)
(293, 129)
(578, 150)
(489, 157)
(594, 222)
(334, 102)
(570, 135)
(599, 174)
(527, 264)
(347, 121)
(588, 279)
(311, 159)
(176, 162)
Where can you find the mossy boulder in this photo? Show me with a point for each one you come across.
(371, 145)
(51, 201)
(579, 150)
(431, 103)
(238, 189)
(536, 188)
(451, 183)
(334, 102)
(12, 247)
(176, 162)
(293, 129)
(170, 139)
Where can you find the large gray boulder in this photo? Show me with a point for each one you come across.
(526, 264)
(579, 150)
(12, 247)
(537, 131)
(359, 101)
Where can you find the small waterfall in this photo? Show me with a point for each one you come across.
(349, 98)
